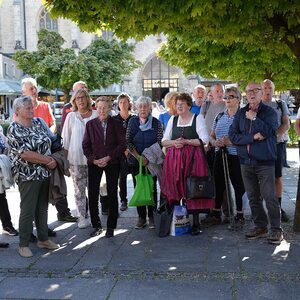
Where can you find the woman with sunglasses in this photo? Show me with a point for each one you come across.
(221, 142)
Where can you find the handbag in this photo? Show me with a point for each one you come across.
(162, 218)
(143, 192)
(200, 187)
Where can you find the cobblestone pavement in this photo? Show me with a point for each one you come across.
(136, 264)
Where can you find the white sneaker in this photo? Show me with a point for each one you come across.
(83, 223)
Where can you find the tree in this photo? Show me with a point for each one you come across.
(237, 62)
(102, 63)
(225, 22)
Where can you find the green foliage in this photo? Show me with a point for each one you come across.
(293, 135)
(255, 37)
(102, 63)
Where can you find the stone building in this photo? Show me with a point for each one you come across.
(21, 19)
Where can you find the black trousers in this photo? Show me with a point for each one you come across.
(94, 178)
(4, 211)
(62, 207)
(142, 210)
(124, 171)
(235, 178)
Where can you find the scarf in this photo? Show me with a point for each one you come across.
(147, 125)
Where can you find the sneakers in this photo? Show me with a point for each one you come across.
(66, 218)
(140, 224)
(47, 245)
(25, 252)
(123, 206)
(151, 223)
(256, 233)
(275, 237)
(109, 232)
(96, 232)
(83, 223)
(284, 216)
(10, 230)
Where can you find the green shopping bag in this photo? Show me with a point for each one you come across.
(143, 192)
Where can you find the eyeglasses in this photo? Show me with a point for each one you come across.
(81, 98)
(255, 91)
(230, 97)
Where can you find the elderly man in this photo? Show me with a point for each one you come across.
(198, 96)
(253, 131)
(43, 110)
(78, 85)
(282, 112)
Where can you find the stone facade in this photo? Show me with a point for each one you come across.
(20, 21)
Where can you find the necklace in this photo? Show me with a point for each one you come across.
(84, 113)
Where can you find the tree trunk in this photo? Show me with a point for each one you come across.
(66, 95)
(296, 225)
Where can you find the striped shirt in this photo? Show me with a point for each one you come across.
(221, 128)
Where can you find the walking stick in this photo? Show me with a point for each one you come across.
(227, 187)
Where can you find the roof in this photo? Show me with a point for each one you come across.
(10, 87)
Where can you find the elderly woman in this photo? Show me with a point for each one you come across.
(103, 145)
(143, 131)
(181, 139)
(124, 107)
(221, 142)
(72, 135)
(171, 109)
(30, 150)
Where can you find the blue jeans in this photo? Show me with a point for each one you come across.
(259, 183)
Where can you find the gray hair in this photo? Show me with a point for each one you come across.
(235, 90)
(30, 81)
(217, 84)
(143, 100)
(200, 86)
(79, 82)
(20, 102)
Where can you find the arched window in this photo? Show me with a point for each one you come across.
(45, 22)
(159, 78)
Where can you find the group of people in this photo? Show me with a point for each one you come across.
(190, 138)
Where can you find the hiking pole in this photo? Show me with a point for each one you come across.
(227, 187)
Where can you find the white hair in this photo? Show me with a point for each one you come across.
(143, 100)
(30, 81)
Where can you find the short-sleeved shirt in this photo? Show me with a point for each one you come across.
(43, 110)
(34, 138)
(283, 111)
(195, 109)
(221, 128)
(164, 119)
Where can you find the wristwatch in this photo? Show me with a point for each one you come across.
(253, 119)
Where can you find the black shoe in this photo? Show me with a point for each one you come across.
(33, 238)
(284, 216)
(51, 233)
(96, 231)
(10, 231)
(66, 218)
(109, 232)
(4, 245)
(286, 166)
(123, 206)
(195, 230)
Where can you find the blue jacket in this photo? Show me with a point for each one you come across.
(242, 131)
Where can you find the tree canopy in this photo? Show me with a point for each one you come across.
(252, 32)
(102, 63)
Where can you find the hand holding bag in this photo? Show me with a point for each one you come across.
(200, 187)
(143, 192)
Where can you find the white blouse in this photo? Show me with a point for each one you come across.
(200, 128)
(72, 134)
